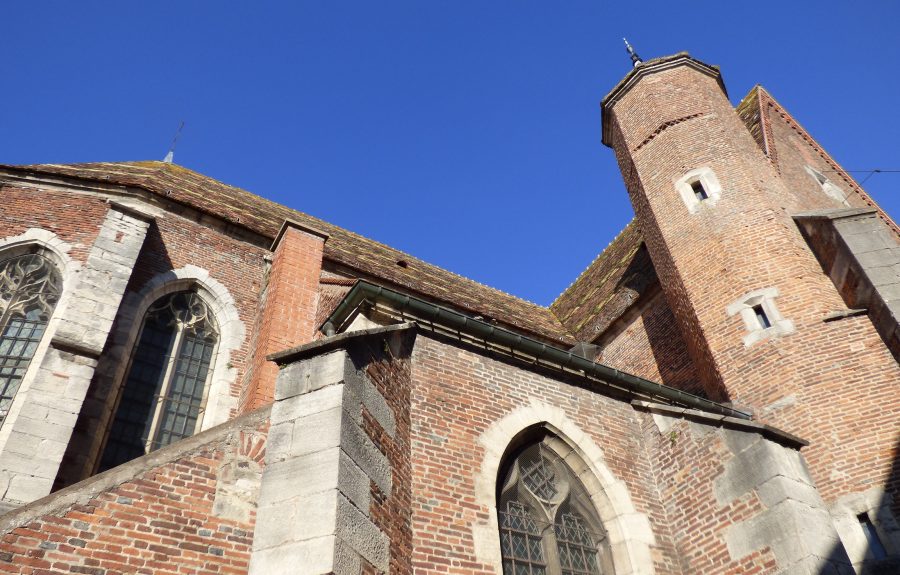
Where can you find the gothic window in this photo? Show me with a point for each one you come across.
(164, 393)
(548, 525)
(29, 288)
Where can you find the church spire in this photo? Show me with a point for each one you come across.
(635, 59)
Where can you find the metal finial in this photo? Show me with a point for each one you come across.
(635, 59)
(170, 157)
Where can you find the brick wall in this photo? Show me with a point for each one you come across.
(159, 515)
(652, 347)
(173, 241)
(287, 313)
(391, 513)
(457, 395)
(76, 219)
(746, 241)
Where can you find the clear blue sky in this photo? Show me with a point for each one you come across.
(466, 133)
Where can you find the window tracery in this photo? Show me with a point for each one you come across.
(548, 525)
(30, 287)
(164, 394)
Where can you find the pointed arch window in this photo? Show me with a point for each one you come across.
(164, 394)
(548, 524)
(30, 286)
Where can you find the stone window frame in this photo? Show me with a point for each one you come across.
(54, 249)
(630, 535)
(168, 364)
(707, 179)
(542, 511)
(876, 504)
(764, 297)
(112, 367)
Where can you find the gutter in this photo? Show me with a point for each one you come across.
(365, 292)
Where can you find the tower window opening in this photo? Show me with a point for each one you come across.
(761, 316)
(699, 190)
(876, 547)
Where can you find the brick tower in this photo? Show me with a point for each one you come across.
(747, 291)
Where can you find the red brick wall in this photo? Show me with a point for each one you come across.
(652, 347)
(686, 461)
(173, 241)
(800, 382)
(391, 513)
(160, 522)
(457, 394)
(76, 219)
(287, 318)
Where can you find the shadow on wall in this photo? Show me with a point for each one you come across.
(79, 460)
(882, 554)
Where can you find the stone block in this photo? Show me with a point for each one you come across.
(27, 488)
(359, 533)
(357, 445)
(301, 476)
(311, 374)
(373, 401)
(354, 484)
(313, 557)
(300, 406)
(317, 432)
(297, 519)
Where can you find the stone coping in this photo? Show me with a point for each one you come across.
(83, 491)
(834, 214)
(767, 431)
(297, 225)
(333, 342)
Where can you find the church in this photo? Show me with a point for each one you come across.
(196, 380)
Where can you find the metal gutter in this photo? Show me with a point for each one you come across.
(366, 292)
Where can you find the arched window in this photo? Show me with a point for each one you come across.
(29, 288)
(164, 393)
(548, 525)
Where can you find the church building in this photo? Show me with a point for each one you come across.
(196, 380)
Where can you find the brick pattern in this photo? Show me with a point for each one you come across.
(391, 514)
(687, 460)
(25, 208)
(288, 313)
(456, 395)
(173, 241)
(161, 522)
(652, 347)
(800, 382)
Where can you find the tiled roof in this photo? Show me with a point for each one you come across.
(366, 256)
(613, 281)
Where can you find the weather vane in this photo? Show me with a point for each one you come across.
(635, 59)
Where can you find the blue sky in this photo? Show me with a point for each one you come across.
(466, 133)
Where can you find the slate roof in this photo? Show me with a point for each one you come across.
(613, 281)
(366, 256)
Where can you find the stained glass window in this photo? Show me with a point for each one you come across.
(547, 522)
(29, 289)
(165, 391)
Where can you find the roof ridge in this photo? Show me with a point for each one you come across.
(595, 260)
(164, 169)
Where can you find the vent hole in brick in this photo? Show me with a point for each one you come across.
(403, 263)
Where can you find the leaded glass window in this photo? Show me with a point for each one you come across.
(164, 393)
(29, 289)
(548, 525)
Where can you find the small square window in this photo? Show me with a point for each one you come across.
(699, 190)
(761, 316)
